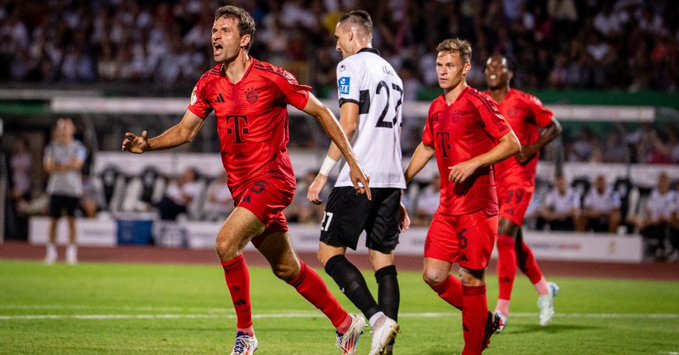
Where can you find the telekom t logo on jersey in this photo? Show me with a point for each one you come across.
(237, 125)
(444, 138)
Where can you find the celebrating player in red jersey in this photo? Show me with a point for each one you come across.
(250, 101)
(467, 135)
(535, 126)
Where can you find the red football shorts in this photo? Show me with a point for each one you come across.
(467, 239)
(514, 203)
(266, 198)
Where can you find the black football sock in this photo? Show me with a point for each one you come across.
(389, 293)
(352, 284)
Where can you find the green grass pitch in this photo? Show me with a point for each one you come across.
(131, 309)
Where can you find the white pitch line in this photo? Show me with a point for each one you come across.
(107, 316)
(123, 308)
(151, 316)
(313, 315)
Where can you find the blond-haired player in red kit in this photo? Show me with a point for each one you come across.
(467, 135)
(535, 126)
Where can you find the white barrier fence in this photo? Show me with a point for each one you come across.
(172, 163)
(155, 105)
(201, 235)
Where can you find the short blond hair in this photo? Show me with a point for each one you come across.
(457, 45)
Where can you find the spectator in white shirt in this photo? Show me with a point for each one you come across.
(654, 224)
(219, 200)
(674, 224)
(562, 206)
(179, 195)
(303, 211)
(428, 202)
(601, 210)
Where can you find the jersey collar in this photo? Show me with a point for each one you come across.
(370, 50)
(222, 71)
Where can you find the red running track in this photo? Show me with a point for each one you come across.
(157, 255)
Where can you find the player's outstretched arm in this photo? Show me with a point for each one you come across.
(182, 132)
(508, 146)
(547, 135)
(317, 109)
(422, 155)
(348, 122)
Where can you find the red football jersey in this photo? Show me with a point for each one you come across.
(471, 126)
(526, 115)
(252, 120)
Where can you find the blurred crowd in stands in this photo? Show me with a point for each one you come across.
(624, 44)
(643, 145)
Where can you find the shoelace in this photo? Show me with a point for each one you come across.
(340, 337)
(240, 346)
(340, 342)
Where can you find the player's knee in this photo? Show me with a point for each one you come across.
(470, 277)
(433, 277)
(226, 250)
(285, 272)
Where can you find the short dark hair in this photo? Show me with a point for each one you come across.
(359, 17)
(246, 24)
(457, 45)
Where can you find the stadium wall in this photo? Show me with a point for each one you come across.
(108, 232)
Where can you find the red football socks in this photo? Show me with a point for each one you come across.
(474, 317)
(238, 280)
(450, 290)
(506, 265)
(310, 285)
(528, 264)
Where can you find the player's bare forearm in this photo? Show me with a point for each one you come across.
(173, 137)
(423, 153)
(348, 121)
(547, 135)
(508, 146)
(340, 140)
(334, 131)
(181, 133)
(314, 192)
(332, 128)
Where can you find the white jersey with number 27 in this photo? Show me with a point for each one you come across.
(369, 81)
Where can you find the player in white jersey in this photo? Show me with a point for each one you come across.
(370, 99)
